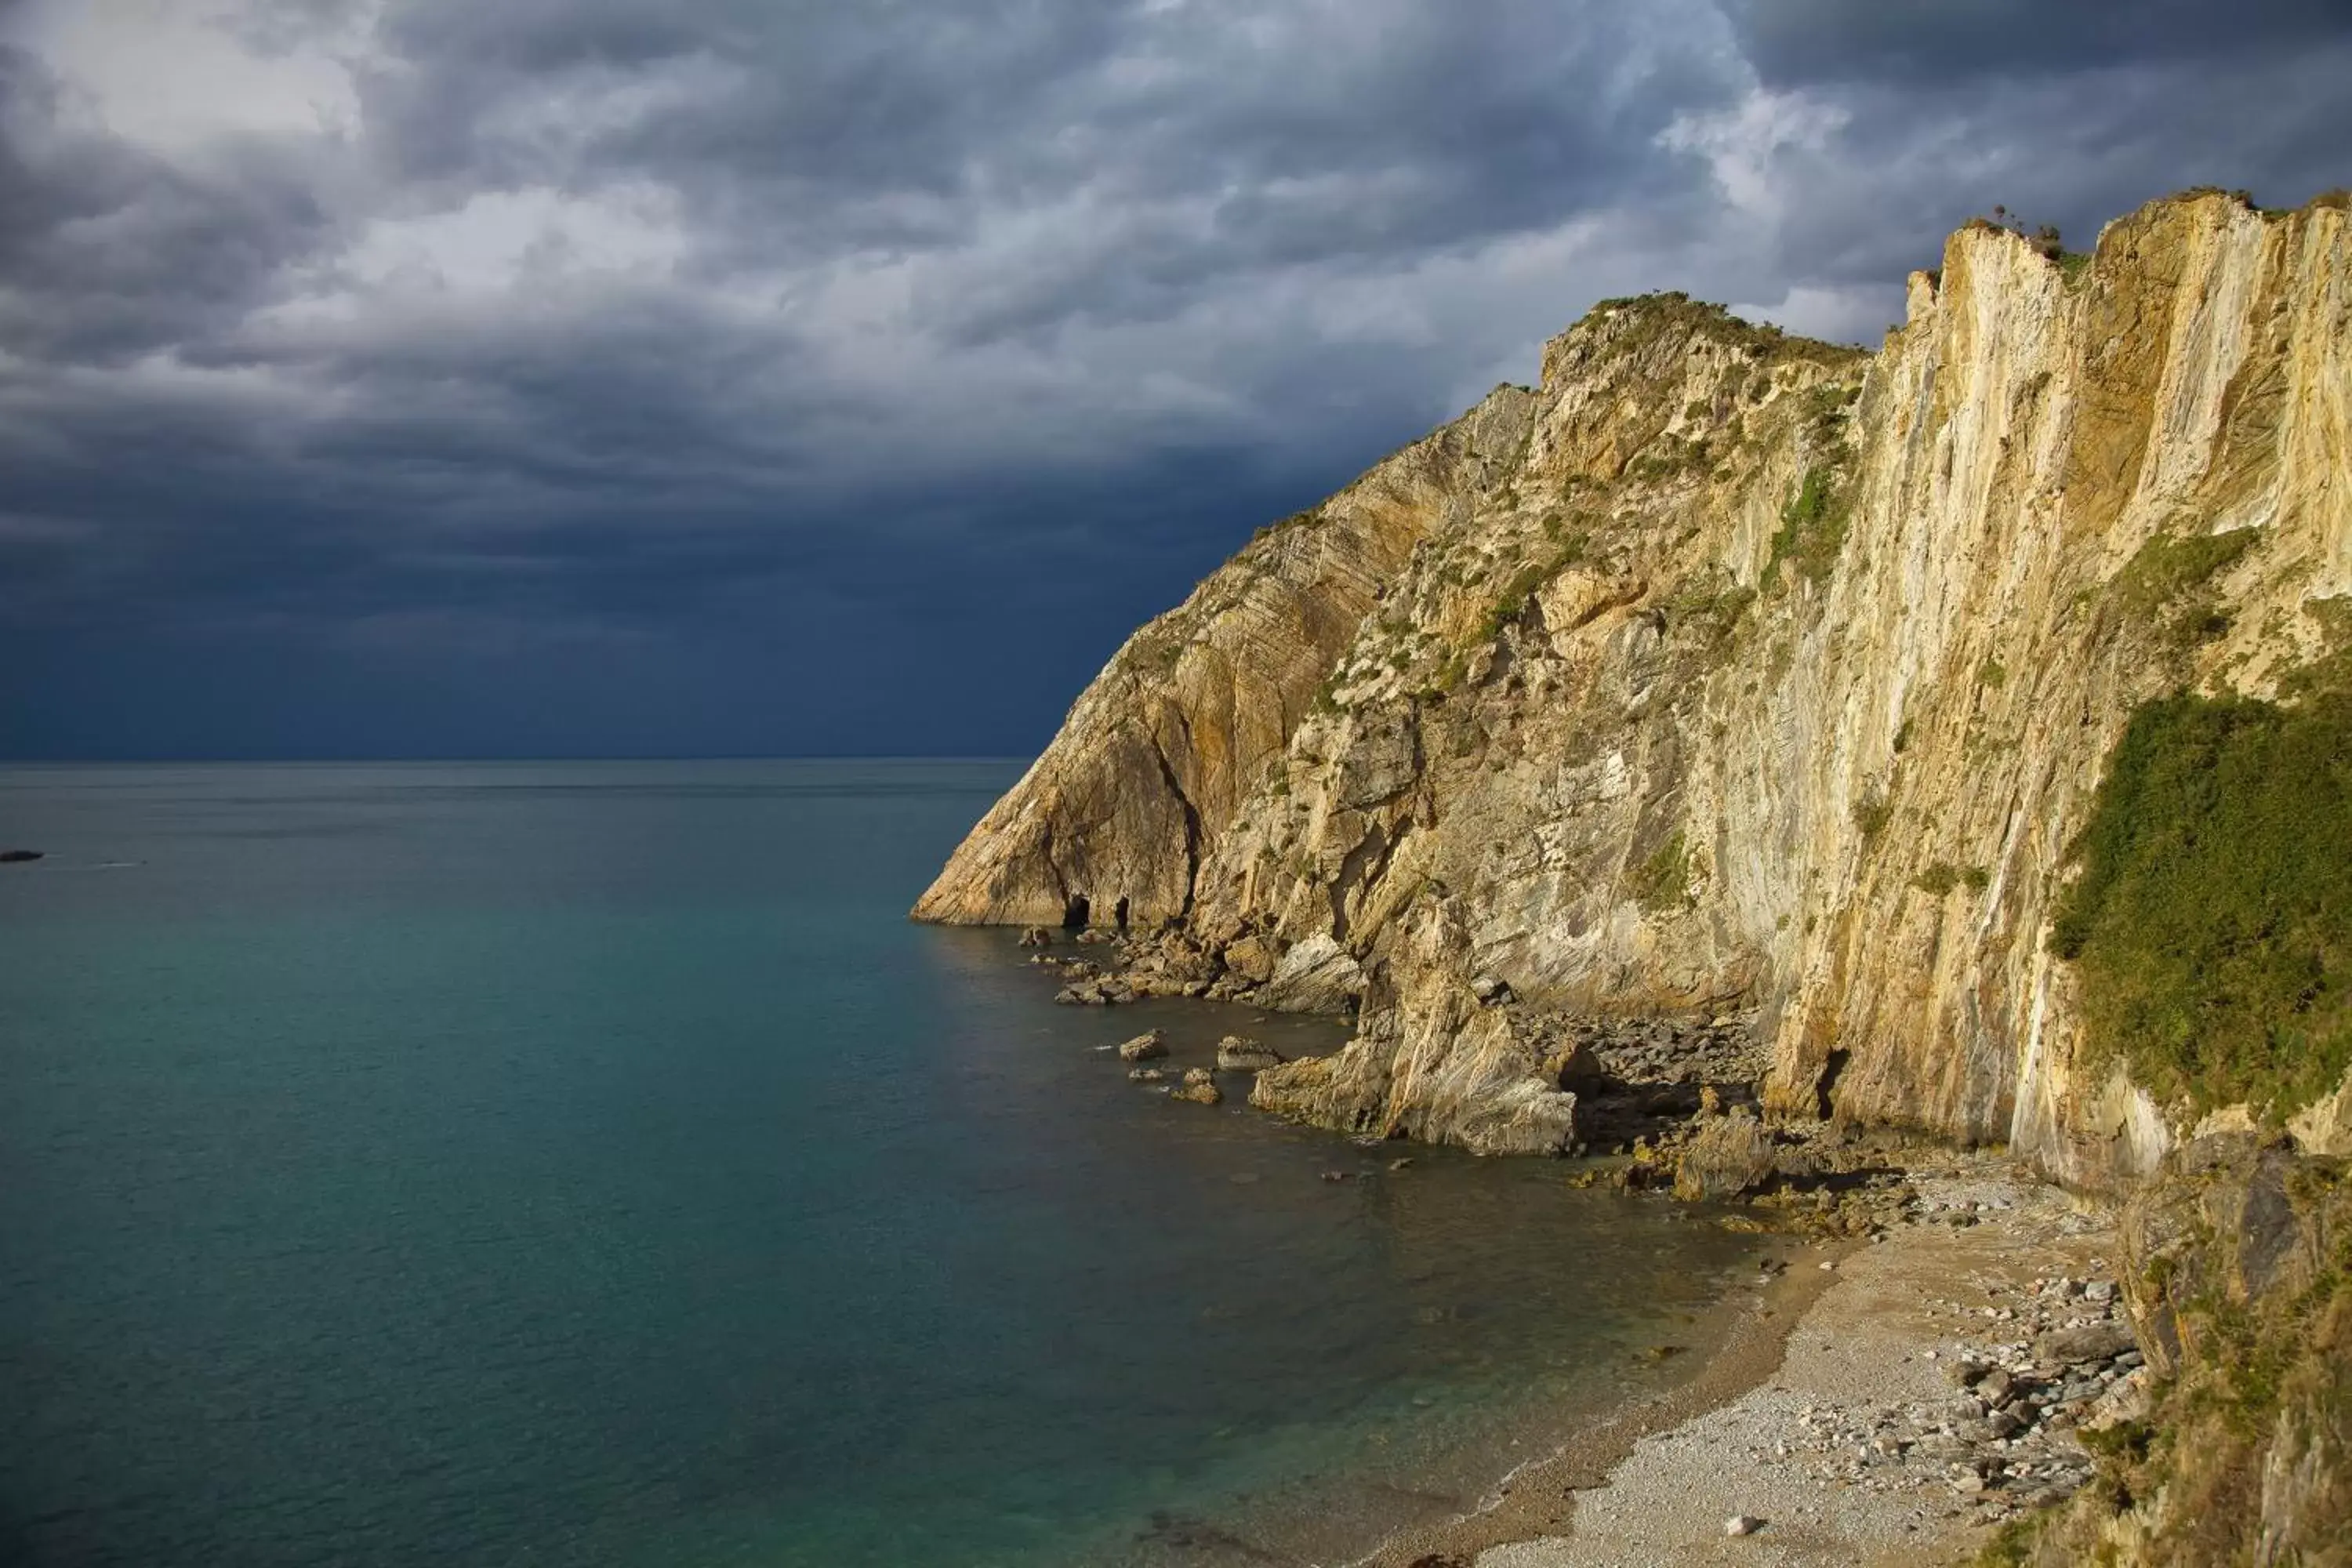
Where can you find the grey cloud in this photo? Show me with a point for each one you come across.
(1946, 40)
(964, 324)
(108, 252)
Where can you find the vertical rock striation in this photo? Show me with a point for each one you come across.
(1727, 670)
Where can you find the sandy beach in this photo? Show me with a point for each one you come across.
(1855, 1415)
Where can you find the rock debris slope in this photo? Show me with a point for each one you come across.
(1728, 673)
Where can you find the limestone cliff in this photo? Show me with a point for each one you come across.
(1726, 670)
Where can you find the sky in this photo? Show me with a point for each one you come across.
(790, 377)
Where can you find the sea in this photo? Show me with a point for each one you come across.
(589, 1164)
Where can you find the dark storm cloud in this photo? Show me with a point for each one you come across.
(719, 374)
(1914, 41)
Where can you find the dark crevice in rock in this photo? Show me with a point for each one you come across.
(1192, 829)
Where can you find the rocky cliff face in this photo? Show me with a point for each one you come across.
(1727, 671)
(2239, 1268)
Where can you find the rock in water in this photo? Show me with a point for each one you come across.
(1144, 1048)
(1731, 1155)
(1237, 1054)
(1202, 1091)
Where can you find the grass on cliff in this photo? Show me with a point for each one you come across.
(2212, 922)
(1812, 526)
(1661, 884)
(2169, 570)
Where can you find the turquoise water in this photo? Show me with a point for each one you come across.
(589, 1165)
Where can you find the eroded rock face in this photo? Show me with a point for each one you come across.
(2239, 1279)
(1161, 748)
(1727, 671)
(1430, 1061)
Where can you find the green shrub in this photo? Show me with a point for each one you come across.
(2212, 921)
(1662, 883)
(2012, 1545)
(1826, 408)
(1872, 812)
(1812, 526)
(1942, 877)
(2169, 567)
(1512, 603)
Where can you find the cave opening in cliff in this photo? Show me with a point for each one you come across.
(1076, 911)
(1824, 1086)
(1118, 915)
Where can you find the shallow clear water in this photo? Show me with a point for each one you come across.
(588, 1164)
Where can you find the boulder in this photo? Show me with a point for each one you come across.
(1491, 990)
(1205, 1092)
(2093, 1342)
(1144, 1048)
(1731, 1155)
(1576, 1067)
(1253, 958)
(1236, 1054)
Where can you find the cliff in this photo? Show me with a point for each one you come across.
(1727, 673)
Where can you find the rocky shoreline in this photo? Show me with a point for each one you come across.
(1893, 1400)
(1920, 1364)
(1629, 1086)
